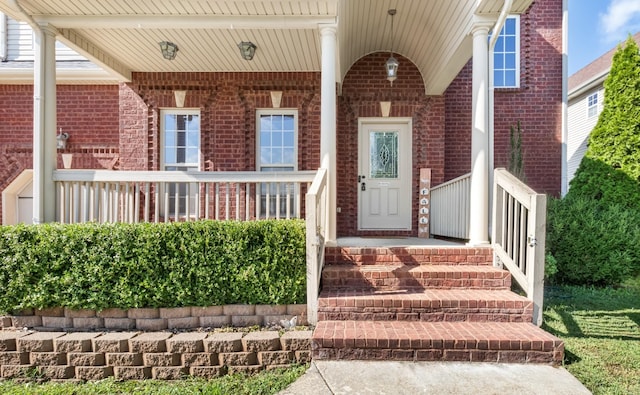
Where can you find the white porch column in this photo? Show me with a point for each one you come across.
(44, 125)
(479, 205)
(328, 122)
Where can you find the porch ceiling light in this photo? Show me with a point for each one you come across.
(169, 50)
(247, 50)
(392, 63)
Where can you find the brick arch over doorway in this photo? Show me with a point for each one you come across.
(364, 87)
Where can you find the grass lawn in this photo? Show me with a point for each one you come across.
(269, 382)
(601, 331)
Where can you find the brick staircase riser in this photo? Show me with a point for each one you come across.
(409, 256)
(406, 277)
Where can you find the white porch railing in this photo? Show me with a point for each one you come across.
(518, 235)
(316, 220)
(155, 196)
(163, 196)
(450, 208)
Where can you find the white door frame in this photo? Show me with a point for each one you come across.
(403, 221)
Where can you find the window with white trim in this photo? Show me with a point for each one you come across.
(277, 150)
(180, 142)
(506, 55)
(592, 105)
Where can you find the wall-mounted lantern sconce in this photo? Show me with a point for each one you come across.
(61, 140)
(169, 50)
(247, 50)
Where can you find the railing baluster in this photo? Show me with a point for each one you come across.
(147, 203)
(227, 192)
(247, 191)
(237, 186)
(217, 207)
(206, 200)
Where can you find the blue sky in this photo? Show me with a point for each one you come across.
(596, 26)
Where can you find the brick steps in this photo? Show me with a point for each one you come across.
(435, 341)
(424, 305)
(392, 277)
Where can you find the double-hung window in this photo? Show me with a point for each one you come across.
(592, 105)
(180, 141)
(506, 55)
(277, 152)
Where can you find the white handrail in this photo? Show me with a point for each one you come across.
(519, 230)
(134, 196)
(450, 205)
(316, 221)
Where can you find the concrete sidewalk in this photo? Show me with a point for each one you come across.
(376, 377)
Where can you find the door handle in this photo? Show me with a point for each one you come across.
(363, 187)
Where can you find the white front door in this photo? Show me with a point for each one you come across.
(384, 174)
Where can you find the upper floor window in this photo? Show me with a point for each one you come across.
(506, 55)
(592, 105)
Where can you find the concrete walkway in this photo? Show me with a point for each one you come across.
(375, 377)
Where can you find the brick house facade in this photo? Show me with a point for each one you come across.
(117, 126)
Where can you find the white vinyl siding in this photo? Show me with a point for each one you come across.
(20, 42)
(580, 125)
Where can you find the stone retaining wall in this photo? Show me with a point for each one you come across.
(155, 319)
(143, 355)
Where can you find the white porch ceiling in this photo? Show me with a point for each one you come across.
(123, 36)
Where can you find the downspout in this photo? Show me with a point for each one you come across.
(564, 187)
(506, 8)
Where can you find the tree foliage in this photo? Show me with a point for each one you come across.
(593, 233)
(615, 140)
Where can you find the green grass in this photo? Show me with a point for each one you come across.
(601, 331)
(269, 382)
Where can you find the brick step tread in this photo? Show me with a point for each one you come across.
(423, 298)
(397, 276)
(460, 341)
(424, 305)
(414, 255)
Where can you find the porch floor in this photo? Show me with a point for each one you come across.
(394, 242)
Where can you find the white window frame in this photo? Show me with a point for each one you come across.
(500, 84)
(277, 191)
(593, 105)
(177, 210)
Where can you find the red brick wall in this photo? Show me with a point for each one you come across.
(537, 104)
(363, 88)
(228, 104)
(89, 113)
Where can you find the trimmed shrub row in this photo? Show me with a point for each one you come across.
(201, 263)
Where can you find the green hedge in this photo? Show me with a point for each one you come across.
(152, 265)
(592, 242)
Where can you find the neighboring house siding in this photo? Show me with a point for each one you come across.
(580, 128)
(20, 44)
(537, 104)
